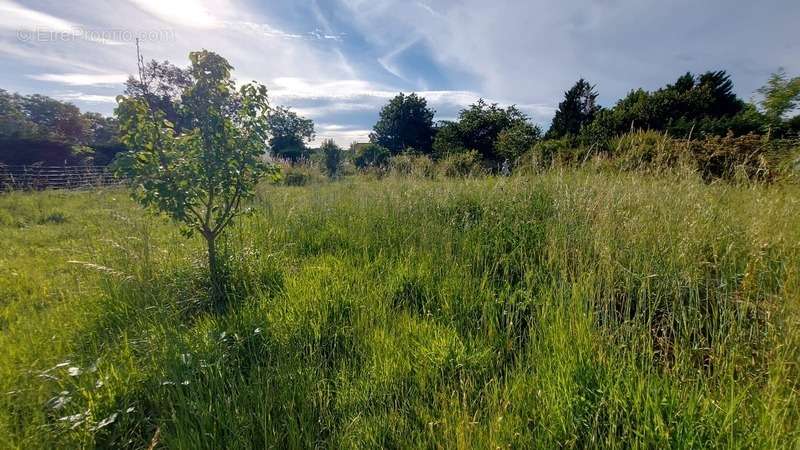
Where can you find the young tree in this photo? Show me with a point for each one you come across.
(577, 109)
(198, 176)
(332, 155)
(405, 122)
(290, 134)
(779, 96)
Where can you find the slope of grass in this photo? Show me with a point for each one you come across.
(573, 309)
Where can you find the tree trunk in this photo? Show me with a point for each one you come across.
(213, 269)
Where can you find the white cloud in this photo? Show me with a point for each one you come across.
(83, 97)
(82, 79)
(293, 88)
(43, 56)
(17, 17)
(387, 61)
(189, 13)
(342, 135)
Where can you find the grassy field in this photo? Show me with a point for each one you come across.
(573, 309)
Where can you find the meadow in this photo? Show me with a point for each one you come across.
(574, 308)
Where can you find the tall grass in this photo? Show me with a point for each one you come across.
(573, 309)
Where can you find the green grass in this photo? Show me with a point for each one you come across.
(572, 309)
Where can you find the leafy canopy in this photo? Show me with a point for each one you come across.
(577, 110)
(700, 104)
(405, 123)
(161, 85)
(780, 96)
(290, 134)
(371, 155)
(514, 141)
(479, 127)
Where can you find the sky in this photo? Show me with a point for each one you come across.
(339, 61)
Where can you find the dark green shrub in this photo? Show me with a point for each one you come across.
(372, 155)
(333, 157)
(517, 139)
(549, 152)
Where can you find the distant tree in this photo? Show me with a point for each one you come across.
(448, 139)
(290, 134)
(333, 156)
(685, 83)
(578, 109)
(692, 106)
(371, 155)
(198, 177)
(481, 123)
(14, 123)
(779, 96)
(405, 122)
(722, 101)
(517, 139)
(56, 120)
(102, 130)
(161, 85)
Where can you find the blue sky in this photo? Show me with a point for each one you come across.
(339, 61)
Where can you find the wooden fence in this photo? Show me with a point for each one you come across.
(38, 177)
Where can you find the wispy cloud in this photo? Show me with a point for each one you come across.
(387, 61)
(342, 135)
(82, 79)
(291, 88)
(42, 56)
(14, 16)
(189, 13)
(83, 97)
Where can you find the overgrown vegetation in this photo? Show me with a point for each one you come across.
(575, 308)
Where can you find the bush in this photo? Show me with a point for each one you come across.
(299, 175)
(750, 157)
(459, 165)
(517, 139)
(410, 165)
(646, 150)
(372, 155)
(547, 153)
(333, 158)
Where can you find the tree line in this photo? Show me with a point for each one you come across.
(38, 128)
(694, 107)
